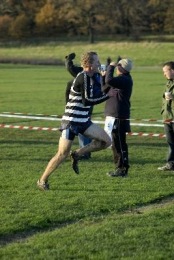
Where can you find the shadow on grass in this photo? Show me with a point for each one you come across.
(47, 225)
(31, 142)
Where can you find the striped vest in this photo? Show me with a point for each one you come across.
(75, 111)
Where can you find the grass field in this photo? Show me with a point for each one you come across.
(147, 53)
(89, 216)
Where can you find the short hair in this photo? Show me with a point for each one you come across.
(170, 64)
(87, 58)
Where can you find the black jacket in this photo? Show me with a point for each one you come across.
(118, 106)
(73, 69)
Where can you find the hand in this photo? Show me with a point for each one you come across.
(71, 56)
(108, 61)
(118, 59)
(103, 72)
(113, 64)
(168, 95)
(112, 92)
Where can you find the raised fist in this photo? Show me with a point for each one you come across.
(71, 56)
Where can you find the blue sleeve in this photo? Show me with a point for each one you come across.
(93, 94)
(90, 90)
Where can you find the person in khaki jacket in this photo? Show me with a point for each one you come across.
(168, 114)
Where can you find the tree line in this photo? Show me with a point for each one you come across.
(54, 18)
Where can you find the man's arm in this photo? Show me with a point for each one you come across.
(68, 87)
(90, 97)
(72, 69)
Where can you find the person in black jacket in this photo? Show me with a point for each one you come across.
(84, 93)
(74, 70)
(117, 112)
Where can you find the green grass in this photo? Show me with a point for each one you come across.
(146, 53)
(89, 216)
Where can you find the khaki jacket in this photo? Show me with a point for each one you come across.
(167, 110)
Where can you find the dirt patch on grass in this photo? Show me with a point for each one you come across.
(156, 204)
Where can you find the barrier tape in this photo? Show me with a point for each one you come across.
(56, 129)
(59, 119)
(147, 134)
(60, 116)
(21, 127)
(31, 114)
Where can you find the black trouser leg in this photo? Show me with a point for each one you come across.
(116, 155)
(120, 145)
(169, 131)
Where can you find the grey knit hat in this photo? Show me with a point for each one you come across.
(126, 64)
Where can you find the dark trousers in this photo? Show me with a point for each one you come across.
(119, 145)
(169, 131)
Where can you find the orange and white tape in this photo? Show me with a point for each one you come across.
(38, 128)
(21, 127)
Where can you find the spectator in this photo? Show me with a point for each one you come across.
(117, 108)
(168, 114)
(108, 120)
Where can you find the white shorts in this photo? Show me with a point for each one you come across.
(109, 122)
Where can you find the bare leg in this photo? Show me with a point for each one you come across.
(63, 151)
(100, 141)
